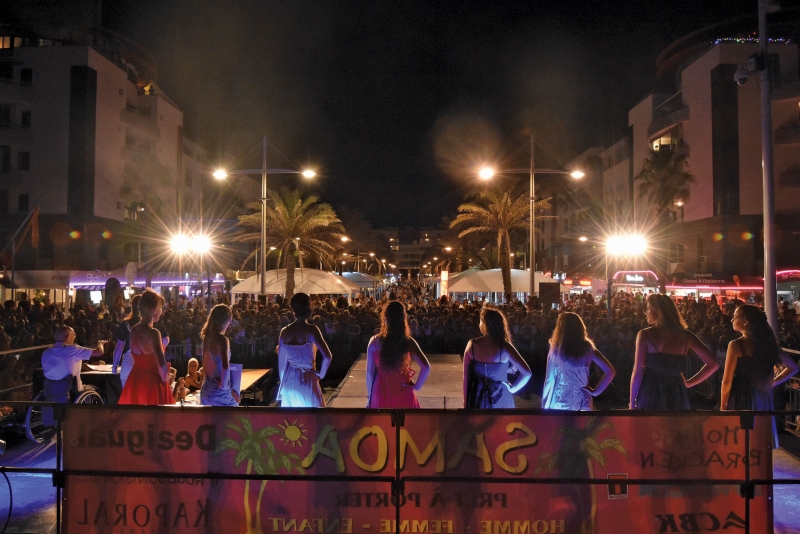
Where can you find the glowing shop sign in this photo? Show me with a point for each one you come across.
(634, 278)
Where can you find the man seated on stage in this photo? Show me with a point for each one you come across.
(64, 359)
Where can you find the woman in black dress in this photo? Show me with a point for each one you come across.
(750, 363)
(657, 382)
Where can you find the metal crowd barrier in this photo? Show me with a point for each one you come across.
(397, 480)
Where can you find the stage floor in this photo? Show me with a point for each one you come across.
(443, 389)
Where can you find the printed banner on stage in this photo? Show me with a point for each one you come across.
(489, 452)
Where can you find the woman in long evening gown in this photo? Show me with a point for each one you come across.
(566, 384)
(657, 382)
(123, 361)
(750, 364)
(390, 381)
(216, 389)
(297, 347)
(148, 380)
(486, 362)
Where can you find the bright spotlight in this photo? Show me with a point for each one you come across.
(637, 244)
(577, 174)
(179, 244)
(220, 174)
(308, 173)
(486, 173)
(615, 245)
(201, 244)
(626, 245)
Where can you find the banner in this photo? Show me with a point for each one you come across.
(463, 472)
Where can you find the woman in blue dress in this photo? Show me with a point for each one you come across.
(487, 360)
(566, 384)
(216, 389)
(657, 382)
(750, 364)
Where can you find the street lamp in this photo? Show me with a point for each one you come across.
(486, 173)
(199, 244)
(621, 245)
(221, 174)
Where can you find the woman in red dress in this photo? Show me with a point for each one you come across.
(389, 356)
(148, 381)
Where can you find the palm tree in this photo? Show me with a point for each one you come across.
(497, 212)
(664, 179)
(577, 449)
(296, 227)
(262, 458)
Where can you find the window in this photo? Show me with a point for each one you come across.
(675, 253)
(5, 159)
(6, 70)
(25, 119)
(26, 76)
(187, 178)
(23, 161)
(22, 203)
(3, 200)
(5, 116)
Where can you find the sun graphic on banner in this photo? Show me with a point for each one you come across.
(293, 433)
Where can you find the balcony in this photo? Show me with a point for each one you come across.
(788, 133)
(788, 89)
(17, 92)
(141, 122)
(10, 133)
(668, 120)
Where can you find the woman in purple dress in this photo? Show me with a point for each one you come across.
(390, 381)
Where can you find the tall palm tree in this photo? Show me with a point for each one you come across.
(296, 227)
(664, 179)
(497, 212)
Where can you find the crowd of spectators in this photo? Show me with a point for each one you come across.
(439, 326)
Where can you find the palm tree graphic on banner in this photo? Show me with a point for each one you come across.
(577, 449)
(263, 458)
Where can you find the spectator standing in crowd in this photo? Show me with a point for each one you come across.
(750, 363)
(657, 382)
(216, 389)
(297, 348)
(148, 381)
(389, 356)
(487, 360)
(122, 347)
(569, 361)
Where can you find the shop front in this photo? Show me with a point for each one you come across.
(633, 281)
(789, 284)
(709, 284)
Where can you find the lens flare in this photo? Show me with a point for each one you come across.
(106, 235)
(747, 236)
(75, 234)
(717, 236)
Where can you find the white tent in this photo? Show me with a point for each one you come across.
(311, 281)
(491, 280)
(363, 280)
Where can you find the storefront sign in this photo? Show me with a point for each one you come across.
(486, 451)
(713, 280)
(788, 276)
(634, 278)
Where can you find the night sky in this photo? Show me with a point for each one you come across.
(394, 102)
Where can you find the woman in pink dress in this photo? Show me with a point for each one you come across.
(390, 381)
(148, 380)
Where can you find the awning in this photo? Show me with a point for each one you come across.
(37, 279)
(491, 280)
(310, 281)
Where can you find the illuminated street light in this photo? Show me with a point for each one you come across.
(179, 244)
(308, 173)
(345, 239)
(577, 174)
(622, 245)
(583, 238)
(448, 249)
(220, 174)
(486, 173)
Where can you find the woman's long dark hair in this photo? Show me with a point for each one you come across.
(394, 335)
(496, 325)
(765, 344)
(134, 317)
(569, 337)
(211, 330)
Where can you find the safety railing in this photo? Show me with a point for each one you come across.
(435, 471)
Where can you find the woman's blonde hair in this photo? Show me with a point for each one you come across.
(667, 315)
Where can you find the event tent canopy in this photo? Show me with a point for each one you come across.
(363, 280)
(311, 281)
(491, 280)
